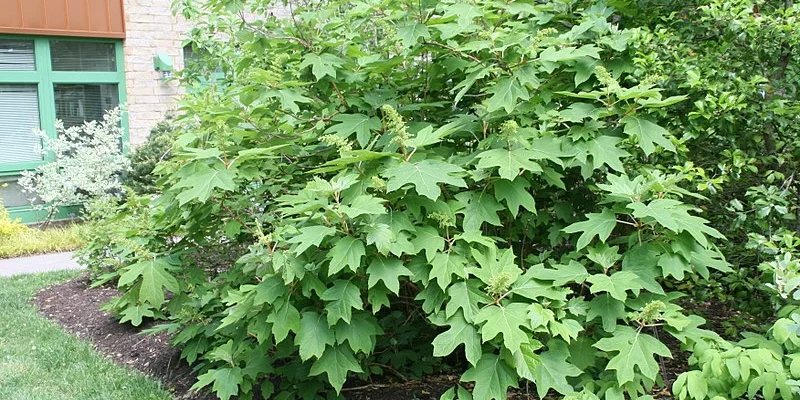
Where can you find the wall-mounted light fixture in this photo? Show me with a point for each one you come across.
(163, 64)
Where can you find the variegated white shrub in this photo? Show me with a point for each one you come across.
(87, 165)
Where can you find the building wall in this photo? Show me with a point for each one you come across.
(150, 29)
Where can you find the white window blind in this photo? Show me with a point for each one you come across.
(17, 55)
(19, 117)
(83, 56)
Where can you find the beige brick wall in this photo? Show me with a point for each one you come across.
(151, 29)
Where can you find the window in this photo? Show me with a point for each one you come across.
(44, 79)
(204, 69)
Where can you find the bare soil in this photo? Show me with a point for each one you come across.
(76, 307)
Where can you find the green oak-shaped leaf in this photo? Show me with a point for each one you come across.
(269, 290)
(445, 265)
(660, 210)
(364, 205)
(284, 318)
(616, 284)
(479, 208)
(529, 287)
(322, 65)
(634, 351)
(604, 151)
(155, 279)
(388, 270)
(608, 309)
(674, 215)
(382, 236)
(288, 98)
(336, 362)
(510, 163)
(647, 133)
(226, 381)
(359, 333)
(427, 238)
(460, 332)
(467, 296)
(505, 94)
(201, 184)
(550, 148)
(492, 377)
(562, 274)
(360, 124)
(311, 236)
(553, 372)
(465, 13)
(506, 320)
(604, 255)
(526, 361)
(600, 224)
(313, 336)
(378, 297)
(515, 195)
(135, 313)
(341, 299)
(641, 260)
(674, 265)
(493, 264)
(347, 252)
(411, 33)
(425, 176)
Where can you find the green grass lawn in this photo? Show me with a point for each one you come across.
(38, 360)
(37, 241)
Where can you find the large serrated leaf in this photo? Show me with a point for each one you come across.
(425, 176)
(598, 224)
(336, 363)
(506, 320)
(460, 332)
(492, 377)
(635, 352)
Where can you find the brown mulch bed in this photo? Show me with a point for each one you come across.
(76, 307)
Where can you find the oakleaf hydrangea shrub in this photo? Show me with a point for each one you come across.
(405, 188)
(87, 164)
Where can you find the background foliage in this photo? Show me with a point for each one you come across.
(509, 191)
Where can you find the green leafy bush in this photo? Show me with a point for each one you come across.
(733, 60)
(493, 177)
(143, 159)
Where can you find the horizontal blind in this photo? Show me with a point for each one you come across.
(17, 55)
(78, 103)
(19, 118)
(83, 56)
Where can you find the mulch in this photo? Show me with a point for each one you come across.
(76, 307)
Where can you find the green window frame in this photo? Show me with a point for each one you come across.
(45, 79)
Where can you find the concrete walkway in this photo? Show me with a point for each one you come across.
(41, 263)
